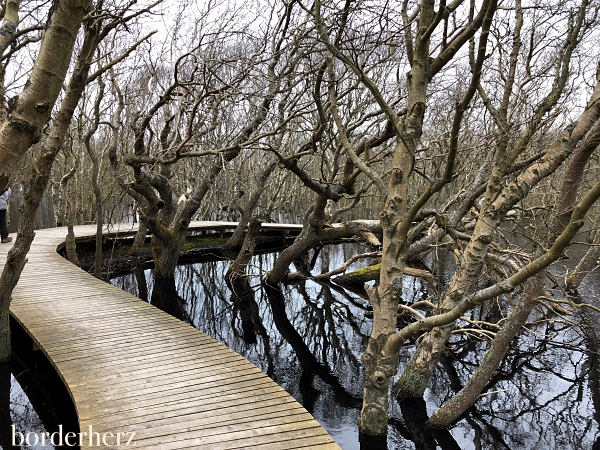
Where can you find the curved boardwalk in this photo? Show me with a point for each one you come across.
(130, 367)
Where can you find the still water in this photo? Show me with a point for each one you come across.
(33, 399)
(309, 338)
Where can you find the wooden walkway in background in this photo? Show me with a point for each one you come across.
(130, 367)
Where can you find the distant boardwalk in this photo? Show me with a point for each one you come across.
(130, 367)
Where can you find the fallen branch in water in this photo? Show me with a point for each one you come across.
(347, 264)
(371, 273)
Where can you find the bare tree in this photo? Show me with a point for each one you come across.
(433, 40)
(216, 104)
(24, 123)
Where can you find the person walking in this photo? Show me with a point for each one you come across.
(3, 216)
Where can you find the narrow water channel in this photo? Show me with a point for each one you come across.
(33, 400)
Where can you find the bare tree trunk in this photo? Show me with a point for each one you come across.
(306, 240)
(9, 24)
(379, 364)
(140, 239)
(140, 236)
(70, 245)
(64, 212)
(585, 266)
(140, 277)
(242, 295)
(99, 218)
(237, 268)
(238, 235)
(165, 252)
(23, 128)
(90, 148)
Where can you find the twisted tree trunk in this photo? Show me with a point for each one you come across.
(237, 268)
(23, 128)
(70, 244)
(238, 235)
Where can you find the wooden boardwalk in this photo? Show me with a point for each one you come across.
(131, 368)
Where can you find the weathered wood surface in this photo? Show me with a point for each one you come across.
(130, 367)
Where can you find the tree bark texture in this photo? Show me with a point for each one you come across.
(237, 268)
(23, 126)
(70, 246)
(165, 252)
(139, 239)
(381, 365)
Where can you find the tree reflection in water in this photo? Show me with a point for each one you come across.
(33, 398)
(309, 337)
(16, 410)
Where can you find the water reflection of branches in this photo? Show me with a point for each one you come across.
(314, 320)
(548, 382)
(242, 297)
(310, 365)
(309, 338)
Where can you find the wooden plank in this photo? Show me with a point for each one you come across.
(132, 413)
(225, 438)
(177, 412)
(214, 423)
(74, 333)
(157, 359)
(242, 378)
(87, 355)
(220, 362)
(105, 313)
(128, 341)
(203, 400)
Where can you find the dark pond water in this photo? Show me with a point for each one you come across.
(309, 338)
(33, 399)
